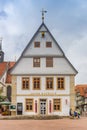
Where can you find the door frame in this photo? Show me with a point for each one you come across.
(46, 106)
(20, 104)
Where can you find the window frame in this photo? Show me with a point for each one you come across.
(36, 83)
(25, 78)
(36, 64)
(47, 46)
(57, 110)
(29, 105)
(49, 61)
(47, 80)
(36, 44)
(62, 82)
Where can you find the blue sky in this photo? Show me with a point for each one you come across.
(66, 20)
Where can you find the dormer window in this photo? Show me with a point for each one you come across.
(48, 44)
(43, 34)
(36, 44)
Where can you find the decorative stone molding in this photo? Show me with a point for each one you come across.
(72, 92)
(14, 80)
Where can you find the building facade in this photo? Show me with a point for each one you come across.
(43, 78)
(1, 52)
(81, 98)
(5, 77)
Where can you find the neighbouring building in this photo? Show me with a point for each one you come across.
(43, 79)
(81, 97)
(5, 77)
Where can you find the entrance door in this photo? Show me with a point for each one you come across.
(19, 108)
(9, 91)
(42, 106)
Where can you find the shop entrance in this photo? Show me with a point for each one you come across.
(42, 106)
(19, 108)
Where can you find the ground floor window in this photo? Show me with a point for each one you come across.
(29, 104)
(56, 104)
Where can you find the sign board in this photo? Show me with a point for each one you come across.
(12, 107)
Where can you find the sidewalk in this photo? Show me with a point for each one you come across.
(29, 117)
(59, 124)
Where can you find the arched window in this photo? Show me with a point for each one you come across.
(9, 91)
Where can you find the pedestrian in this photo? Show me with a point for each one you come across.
(78, 113)
(75, 113)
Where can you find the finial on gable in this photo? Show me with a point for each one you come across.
(43, 11)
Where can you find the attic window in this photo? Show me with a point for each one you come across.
(36, 44)
(48, 44)
(43, 34)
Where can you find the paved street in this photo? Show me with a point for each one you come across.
(60, 124)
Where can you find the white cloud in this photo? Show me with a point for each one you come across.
(77, 53)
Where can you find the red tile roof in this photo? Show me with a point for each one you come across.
(11, 64)
(3, 67)
(82, 89)
(9, 77)
(6, 66)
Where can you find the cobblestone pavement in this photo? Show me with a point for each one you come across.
(59, 124)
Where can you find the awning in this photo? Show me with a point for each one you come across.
(5, 103)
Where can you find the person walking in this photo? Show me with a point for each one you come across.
(78, 111)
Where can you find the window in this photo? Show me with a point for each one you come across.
(49, 44)
(60, 83)
(36, 62)
(36, 83)
(57, 104)
(25, 83)
(49, 83)
(29, 104)
(49, 61)
(37, 44)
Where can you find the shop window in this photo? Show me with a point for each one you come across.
(29, 104)
(57, 104)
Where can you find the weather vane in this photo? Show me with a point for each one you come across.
(43, 11)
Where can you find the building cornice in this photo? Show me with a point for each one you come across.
(43, 94)
(34, 74)
(43, 56)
